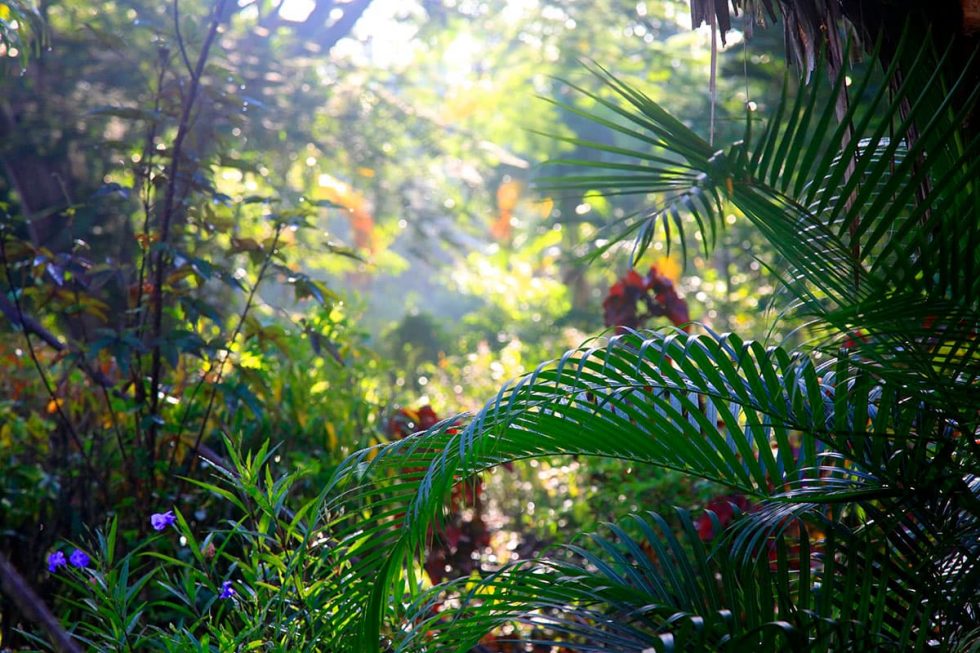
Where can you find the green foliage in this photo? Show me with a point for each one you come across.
(146, 295)
(165, 278)
(259, 579)
(866, 438)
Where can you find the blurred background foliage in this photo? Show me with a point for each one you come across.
(371, 164)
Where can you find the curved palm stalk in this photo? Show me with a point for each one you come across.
(732, 412)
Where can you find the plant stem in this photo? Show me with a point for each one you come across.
(32, 607)
(220, 366)
(37, 363)
(166, 220)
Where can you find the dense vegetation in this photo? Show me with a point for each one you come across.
(278, 278)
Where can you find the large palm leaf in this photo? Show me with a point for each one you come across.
(720, 409)
(877, 229)
(646, 588)
(623, 593)
(874, 446)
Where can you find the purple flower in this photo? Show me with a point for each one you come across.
(226, 590)
(55, 561)
(161, 520)
(79, 558)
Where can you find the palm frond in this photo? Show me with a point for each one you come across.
(861, 217)
(642, 586)
(630, 590)
(873, 445)
(757, 421)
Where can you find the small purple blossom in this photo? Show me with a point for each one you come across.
(79, 558)
(55, 561)
(161, 520)
(226, 590)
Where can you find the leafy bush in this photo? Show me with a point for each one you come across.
(147, 315)
(258, 577)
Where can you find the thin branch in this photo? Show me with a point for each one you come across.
(220, 366)
(180, 39)
(147, 183)
(37, 363)
(29, 324)
(32, 607)
(166, 219)
(138, 314)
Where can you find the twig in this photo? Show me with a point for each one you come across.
(180, 39)
(220, 366)
(37, 363)
(32, 607)
(138, 314)
(147, 183)
(167, 217)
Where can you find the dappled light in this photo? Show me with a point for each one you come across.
(462, 326)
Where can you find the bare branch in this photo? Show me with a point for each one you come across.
(32, 326)
(31, 606)
(167, 214)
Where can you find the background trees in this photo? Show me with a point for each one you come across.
(351, 179)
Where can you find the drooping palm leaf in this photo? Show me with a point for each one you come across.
(626, 593)
(860, 216)
(647, 588)
(717, 408)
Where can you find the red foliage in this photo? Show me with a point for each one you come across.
(407, 421)
(724, 509)
(854, 338)
(455, 548)
(655, 293)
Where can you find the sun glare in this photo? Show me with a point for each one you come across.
(296, 11)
